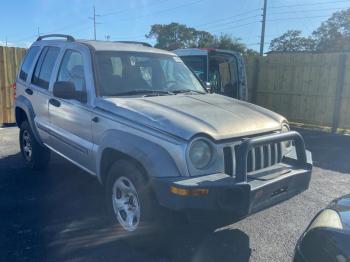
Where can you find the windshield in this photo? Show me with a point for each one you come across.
(127, 73)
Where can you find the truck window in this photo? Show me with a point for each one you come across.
(27, 62)
(44, 67)
(122, 72)
(198, 64)
(72, 69)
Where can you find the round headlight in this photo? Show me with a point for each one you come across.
(200, 153)
(327, 218)
(285, 128)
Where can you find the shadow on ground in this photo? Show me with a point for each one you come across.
(58, 215)
(329, 151)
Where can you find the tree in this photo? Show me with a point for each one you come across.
(175, 35)
(334, 34)
(225, 41)
(292, 41)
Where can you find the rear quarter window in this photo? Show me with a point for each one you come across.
(28, 62)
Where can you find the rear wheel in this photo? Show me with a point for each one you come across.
(36, 156)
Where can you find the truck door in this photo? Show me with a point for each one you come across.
(227, 74)
(70, 120)
(38, 89)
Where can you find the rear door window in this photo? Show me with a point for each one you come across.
(28, 62)
(44, 67)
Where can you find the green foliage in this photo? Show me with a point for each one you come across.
(332, 35)
(292, 41)
(225, 41)
(175, 35)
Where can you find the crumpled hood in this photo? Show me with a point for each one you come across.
(184, 116)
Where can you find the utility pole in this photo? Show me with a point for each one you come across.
(6, 41)
(94, 23)
(93, 18)
(262, 39)
(38, 31)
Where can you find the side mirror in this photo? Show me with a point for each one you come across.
(66, 90)
(208, 87)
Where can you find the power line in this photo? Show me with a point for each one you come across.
(221, 24)
(161, 11)
(297, 18)
(227, 18)
(303, 11)
(233, 21)
(311, 4)
(237, 26)
(127, 9)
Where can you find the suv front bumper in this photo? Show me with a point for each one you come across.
(243, 194)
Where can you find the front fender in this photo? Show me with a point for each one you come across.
(24, 104)
(155, 159)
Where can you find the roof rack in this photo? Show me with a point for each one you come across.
(134, 42)
(68, 37)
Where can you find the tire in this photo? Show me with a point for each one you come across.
(137, 194)
(36, 156)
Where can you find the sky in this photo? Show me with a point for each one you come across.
(22, 20)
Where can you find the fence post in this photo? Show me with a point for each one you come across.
(2, 85)
(256, 69)
(339, 92)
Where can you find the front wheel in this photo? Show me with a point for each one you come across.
(35, 155)
(126, 203)
(130, 199)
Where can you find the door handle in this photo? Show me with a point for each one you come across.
(29, 91)
(95, 119)
(55, 102)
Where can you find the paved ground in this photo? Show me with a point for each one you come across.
(58, 215)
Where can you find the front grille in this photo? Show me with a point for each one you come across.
(228, 161)
(258, 158)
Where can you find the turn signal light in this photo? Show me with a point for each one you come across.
(189, 192)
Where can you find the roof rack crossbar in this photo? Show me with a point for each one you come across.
(68, 37)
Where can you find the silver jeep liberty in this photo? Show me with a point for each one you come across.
(141, 122)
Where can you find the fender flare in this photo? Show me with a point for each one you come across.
(24, 104)
(154, 158)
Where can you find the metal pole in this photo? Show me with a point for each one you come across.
(262, 40)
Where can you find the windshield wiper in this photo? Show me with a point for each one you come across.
(145, 92)
(181, 91)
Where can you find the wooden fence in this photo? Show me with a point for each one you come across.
(10, 59)
(306, 88)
